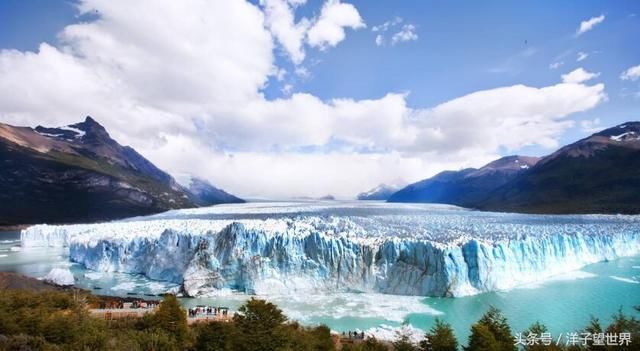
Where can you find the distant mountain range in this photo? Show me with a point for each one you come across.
(78, 173)
(598, 174)
(467, 186)
(381, 192)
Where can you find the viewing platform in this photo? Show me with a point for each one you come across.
(137, 309)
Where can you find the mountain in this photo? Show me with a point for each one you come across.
(206, 194)
(598, 174)
(467, 186)
(78, 173)
(381, 192)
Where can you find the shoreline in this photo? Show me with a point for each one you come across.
(14, 227)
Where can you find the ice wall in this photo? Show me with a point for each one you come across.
(330, 254)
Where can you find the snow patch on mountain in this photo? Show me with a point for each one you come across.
(626, 136)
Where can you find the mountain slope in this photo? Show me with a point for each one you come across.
(206, 194)
(598, 174)
(381, 192)
(78, 173)
(465, 187)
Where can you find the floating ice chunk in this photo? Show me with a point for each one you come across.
(15, 249)
(575, 275)
(626, 280)
(390, 333)
(125, 286)
(60, 276)
(93, 275)
(357, 305)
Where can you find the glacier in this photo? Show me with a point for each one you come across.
(402, 249)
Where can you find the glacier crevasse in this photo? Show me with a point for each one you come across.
(285, 255)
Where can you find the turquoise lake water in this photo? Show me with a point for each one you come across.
(565, 303)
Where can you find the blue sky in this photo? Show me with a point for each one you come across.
(457, 48)
(465, 46)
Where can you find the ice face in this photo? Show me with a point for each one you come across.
(318, 247)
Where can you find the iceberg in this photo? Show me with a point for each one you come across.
(401, 249)
(60, 276)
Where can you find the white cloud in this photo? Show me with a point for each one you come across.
(578, 75)
(325, 31)
(556, 65)
(509, 117)
(287, 89)
(588, 25)
(379, 40)
(279, 73)
(386, 25)
(581, 56)
(407, 33)
(632, 73)
(279, 18)
(185, 89)
(329, 29)
(291, 174)
(591, 125)
(302, 72)
(296, 3)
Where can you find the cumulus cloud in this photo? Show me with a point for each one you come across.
(323, 32)
(509, 117)
(183, 84)
(588, 25)
(632, 73)
(329, 29)
(279, 18)
(407, 33)
(578, 75)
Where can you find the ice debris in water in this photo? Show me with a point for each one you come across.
(60, 276)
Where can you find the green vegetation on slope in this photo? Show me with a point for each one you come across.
(59, 320)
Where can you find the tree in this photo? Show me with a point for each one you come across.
(403, 341)
(538, 329)
(321, 339)
(157, 339)
(594, 328)
(482, 339)
(216, 336)
(439, 338)
(624, 324)
(493, 330)
(261, 326)
(171, 318)
(372, 344)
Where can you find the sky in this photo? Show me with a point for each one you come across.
(286, 98)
